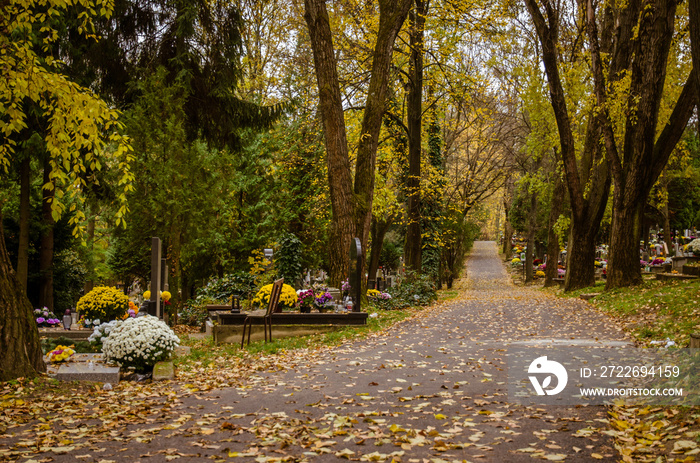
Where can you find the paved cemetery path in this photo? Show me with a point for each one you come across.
(429, 388)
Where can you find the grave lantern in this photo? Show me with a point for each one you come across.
(67, 320)
(236, 303)
(268, 254)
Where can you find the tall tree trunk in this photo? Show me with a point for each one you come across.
(352, 207)
(331, 106)
(46, 251)
(586, 176)
(24, 212)
(580, 257)
(414, 110)
(667, 218)
(507, 237)
(626, 231)
(392, 14)
(507, 227)
(551, 271)
(20, 350)
(694, 24)
(642, 157)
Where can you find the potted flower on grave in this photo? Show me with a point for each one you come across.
(100, 333)
(139, 343)
(345, 287)
(60, 354)
(323, 301)
(381, 299)
(305, 300)
(103, 303)
(132, 312)
(45, 318)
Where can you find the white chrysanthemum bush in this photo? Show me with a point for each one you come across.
(101, 331)
(140, 342)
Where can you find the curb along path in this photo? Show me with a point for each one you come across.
(429, 389)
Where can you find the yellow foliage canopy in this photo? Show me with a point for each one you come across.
(83, 131)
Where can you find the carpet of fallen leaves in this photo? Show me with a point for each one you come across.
(655, 434)
(43, 415)
(429, 389)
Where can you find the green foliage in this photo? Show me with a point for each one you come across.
(295, 195)
(261, 269)
(411, 291)
(288, 258)
(194, 312)
(82, 133)
(561, 228)
(433, 203)
(390, 256)
(69, 278)
(220, 289)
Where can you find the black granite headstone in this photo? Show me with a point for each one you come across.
(355, 273)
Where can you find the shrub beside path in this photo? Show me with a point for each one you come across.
(431, 388)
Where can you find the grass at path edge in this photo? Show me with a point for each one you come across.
(654, 310)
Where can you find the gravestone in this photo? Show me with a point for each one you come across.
(356, 273)
(163, 371)
(84, 367)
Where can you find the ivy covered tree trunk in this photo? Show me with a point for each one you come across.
(20, 350)
(414, 124)
(433, 202)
